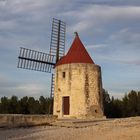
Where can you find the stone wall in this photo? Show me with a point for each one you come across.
(18, 120)
(83, 84)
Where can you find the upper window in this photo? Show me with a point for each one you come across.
(64, 74)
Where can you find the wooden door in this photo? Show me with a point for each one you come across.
(66, 105)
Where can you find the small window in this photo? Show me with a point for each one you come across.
(96, 111)
(63, 74)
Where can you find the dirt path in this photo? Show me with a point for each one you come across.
(113, 129)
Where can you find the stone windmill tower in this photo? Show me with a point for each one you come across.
(78, 84)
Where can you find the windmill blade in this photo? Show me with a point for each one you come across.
(34, 60)
(57, 45)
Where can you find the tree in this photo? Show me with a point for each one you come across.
(33, 106)
(125, 108)
(112, 107)
(132, 104)
(138, 103)
(116, 111)
(14, 105)
(49, 105)
(43, 105)
(23, 103)
(4, 105)
(106, 103)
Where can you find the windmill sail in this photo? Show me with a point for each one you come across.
(40, 61)
(57, 45)
(34, 60)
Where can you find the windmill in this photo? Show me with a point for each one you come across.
(45, 62)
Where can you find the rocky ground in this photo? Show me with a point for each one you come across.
(109, 129)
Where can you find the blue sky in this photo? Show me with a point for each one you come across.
(109, 29)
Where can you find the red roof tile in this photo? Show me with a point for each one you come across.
(76, 54)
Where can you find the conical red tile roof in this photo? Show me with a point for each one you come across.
(76, 54)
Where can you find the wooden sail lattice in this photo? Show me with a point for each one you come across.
(34, 60)
(45, 62)
(57, 45)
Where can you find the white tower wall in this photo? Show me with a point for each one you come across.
(82, 83)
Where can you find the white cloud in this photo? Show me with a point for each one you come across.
(92, 16)
(31, 89)
(3, 78)
(121, 46)
(97, 46)
(116, 95)
(9, 87)
(126, 36)
(79, 26)
(7, 25)
(107, 13)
